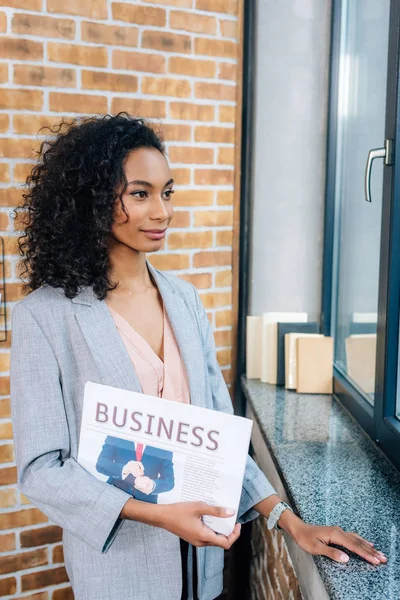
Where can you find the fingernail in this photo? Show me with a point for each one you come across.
(229, 511)
(344, 558)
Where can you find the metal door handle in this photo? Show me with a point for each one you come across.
(387, 154)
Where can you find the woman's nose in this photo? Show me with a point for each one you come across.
(159, 211)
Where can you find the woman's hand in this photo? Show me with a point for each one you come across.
(315, 539)
(184, 519)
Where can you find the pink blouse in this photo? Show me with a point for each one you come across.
(166, 379)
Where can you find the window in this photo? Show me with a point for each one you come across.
(361, 289)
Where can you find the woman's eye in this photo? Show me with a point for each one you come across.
(140, 194)
(168, 193)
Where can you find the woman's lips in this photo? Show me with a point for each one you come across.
(154, 234)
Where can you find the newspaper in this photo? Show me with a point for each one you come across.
(162, 452)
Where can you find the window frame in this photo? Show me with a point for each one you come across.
(378, 420)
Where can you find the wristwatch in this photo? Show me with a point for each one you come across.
(275, 515)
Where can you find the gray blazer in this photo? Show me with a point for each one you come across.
(57, 345)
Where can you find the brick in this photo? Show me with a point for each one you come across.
(180, 88)
(223, 278)
(215, 91)
(224, 357)
(138, 61)
(22, 518)
(6, 431)
(182, 176)
(225, 197)
(199, 280)
(213, 177)
(14, 293)
(179, 3)
(226, 156)
(3, 73)
(8, 498)
(39, 537)
(81, 103)
(10, 197)
(193, 198)
(227, 114)
(169, 262)
(46, 578)
(35, 5)
(224, 238)
(215, 48)
(213, 258)
(76, 54)
(31, 124)
(216, 299)
(223, 318)
(15, 99)
(227, 71)
(19, 49)
(8, 586)
(3, 22)
(11, 245)
(8, 476)
(5, 408)
(24, 560)
(4, 122)
(104, 80)
(213, 218)
(58, 555)
(26, 24)
(93, 9)
(229, 7)
(229, 28)
(21, 172)
(181, 220)
(49, 76)
(223, 338)
(140, 15)
(220, 135)
(64, 593)
(113, 35)
(150, 109)
(6, 453)
(227, 375)
(191, 154)
(167, 42)
(193, 22)
(190, 239)
(192, 67)
(4, 175)
(191, 112)
(21, 221)
(39, 596)
(7, 542)
(176, 133)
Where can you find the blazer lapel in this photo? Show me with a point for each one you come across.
(186, 334)
(105, 343)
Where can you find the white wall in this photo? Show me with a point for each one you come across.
(292, 69)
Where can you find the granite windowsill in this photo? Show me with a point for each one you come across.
(333, 474)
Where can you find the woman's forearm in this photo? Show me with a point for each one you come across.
(144, 512)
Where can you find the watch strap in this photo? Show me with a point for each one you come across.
(275, 515)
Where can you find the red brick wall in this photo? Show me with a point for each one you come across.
(171, 60)
(271, 572)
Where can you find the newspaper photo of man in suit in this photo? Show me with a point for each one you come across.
(139, 469)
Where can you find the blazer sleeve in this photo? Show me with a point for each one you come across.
(256, 486)
(70, 496)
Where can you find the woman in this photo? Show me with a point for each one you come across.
(99, 200)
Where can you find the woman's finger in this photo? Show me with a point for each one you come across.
(361, 538)
(358, 546)
(211, 538)
(332, 553)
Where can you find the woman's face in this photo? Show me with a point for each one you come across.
(147, 200)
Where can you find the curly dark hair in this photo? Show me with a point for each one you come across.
(67, 209)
